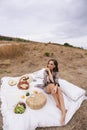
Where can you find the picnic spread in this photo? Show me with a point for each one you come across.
(25, 106)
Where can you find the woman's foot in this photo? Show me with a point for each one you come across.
(63, 117)
(63, 120)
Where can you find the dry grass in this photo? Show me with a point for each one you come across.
(11, 51)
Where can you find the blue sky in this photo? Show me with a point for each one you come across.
(57, 21)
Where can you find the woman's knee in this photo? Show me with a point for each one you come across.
(50, 88)
(47, 91)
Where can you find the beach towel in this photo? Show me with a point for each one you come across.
(49, 115)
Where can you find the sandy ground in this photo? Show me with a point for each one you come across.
(72, 67)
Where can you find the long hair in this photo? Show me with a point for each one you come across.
(56, 69)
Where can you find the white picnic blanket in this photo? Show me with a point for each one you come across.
(47, 116)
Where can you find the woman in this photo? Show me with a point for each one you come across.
(52, 86)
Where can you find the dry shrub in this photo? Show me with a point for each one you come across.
(11, 51)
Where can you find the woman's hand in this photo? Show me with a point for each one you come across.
(50, 74)
(47, 70)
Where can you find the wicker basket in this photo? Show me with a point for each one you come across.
(37, 101)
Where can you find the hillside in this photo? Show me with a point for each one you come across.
(23, 57)
(6, 38)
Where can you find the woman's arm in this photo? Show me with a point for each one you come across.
(50, 75)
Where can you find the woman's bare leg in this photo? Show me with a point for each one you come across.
(62, 105)
(58, 97)
(50, 90)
